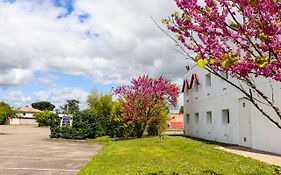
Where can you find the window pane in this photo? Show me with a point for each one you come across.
(225, 116)
(209, 117)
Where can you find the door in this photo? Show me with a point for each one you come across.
(245, 122)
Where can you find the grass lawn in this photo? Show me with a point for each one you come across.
(172, 156)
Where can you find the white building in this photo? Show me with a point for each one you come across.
(25, 116)
(214, 110)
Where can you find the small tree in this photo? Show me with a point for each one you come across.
(101, 105)
(241, 37)
(43, 118)
(43, 105)
(140, 99)
(71, 106)
(5, 112)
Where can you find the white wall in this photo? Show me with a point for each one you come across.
(221, 95)
(23, 121)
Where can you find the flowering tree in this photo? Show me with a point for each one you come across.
(241, 37)
(143, 100)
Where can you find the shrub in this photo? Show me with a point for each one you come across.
(55, 126)
(43, 118)
(117, 127)
(5, 111)
(84, 125)
(101, 104)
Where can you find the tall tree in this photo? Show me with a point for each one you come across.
(240, 37)
(43, 105)
(71, 106)
(142, 99)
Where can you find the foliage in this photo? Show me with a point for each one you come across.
(43, 105)
(159, 123)
(5, 111)
(71, 106)
(181, 111)
(140, 99)
(173, 155)
(254, 27)
(239, 37)
(101, 105)
(117, 128)
(43, 118)
(55, 126)
(84, 125)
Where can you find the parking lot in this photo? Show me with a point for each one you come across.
(28, 150)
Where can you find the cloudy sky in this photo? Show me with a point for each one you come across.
(60, 49)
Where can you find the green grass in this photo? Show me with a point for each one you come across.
(172, 156)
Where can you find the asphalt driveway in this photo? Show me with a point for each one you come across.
(27, 150)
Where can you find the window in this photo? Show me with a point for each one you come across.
(187, 119)
(23, 114)
(225, 116)
(224, 74)
(209, 117)
(208, 80)
(197, 118)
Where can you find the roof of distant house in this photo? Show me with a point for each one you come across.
(28, 110)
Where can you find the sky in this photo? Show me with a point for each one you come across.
(64, 49)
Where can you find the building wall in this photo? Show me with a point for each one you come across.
(24, 119)
(221, 96)
(25, 115)
(176, 121)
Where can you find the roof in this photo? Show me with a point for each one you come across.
(28, 110)
(186, 84)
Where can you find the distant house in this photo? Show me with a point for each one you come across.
(25, 116)
(176, 121)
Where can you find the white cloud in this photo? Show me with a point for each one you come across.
(59, 96)
(48, 79)
(17, 99)
(42, 96)
(118, 42)
(127, 42)
(56, 96)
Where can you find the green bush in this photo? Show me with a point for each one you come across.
(43, 118)
(116, 126)
(101, 105)
(5, 111)
(84, 125)
(55, 126)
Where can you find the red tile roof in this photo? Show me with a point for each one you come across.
(28, 110)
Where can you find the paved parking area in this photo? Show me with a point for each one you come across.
(27, 150)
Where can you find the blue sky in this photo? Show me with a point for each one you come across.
(60, 49)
